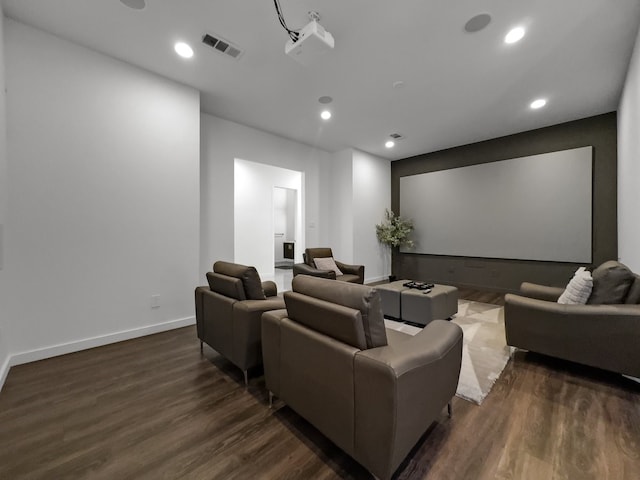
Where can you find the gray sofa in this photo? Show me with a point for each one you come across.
(229, 310)
(350, 273)
(604, 333)
(372, 391)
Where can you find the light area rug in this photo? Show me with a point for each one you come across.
(484, 351)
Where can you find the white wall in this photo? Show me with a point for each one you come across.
(253, 205)
(345, 195)
(629, 166)
(222, 142)
(340, 197)
(103, 198)
(371, 196)
(4, 344)
(361, 191)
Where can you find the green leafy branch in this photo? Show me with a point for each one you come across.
(394, 230)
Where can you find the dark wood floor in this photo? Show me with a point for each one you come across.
(154, 408)
(495, 298)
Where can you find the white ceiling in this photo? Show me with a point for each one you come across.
(458, 87)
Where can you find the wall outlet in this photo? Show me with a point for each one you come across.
(155, 301)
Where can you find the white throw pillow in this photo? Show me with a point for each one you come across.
(327, 263)
(579, 288)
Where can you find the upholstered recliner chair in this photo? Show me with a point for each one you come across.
(603, 333)
(228, 312)
(314, 265)
(372, 391)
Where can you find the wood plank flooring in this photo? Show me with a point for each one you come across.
(154, 408)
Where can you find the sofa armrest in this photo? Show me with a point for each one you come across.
(400, 390)
(199, 298)
(541, 292)
(271, 348)
(246, 329)
(578, 313)
(304, 269)
(351, 269)
(429, 346)
(603, 336)
(270, 288)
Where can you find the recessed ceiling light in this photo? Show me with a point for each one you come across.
(184, 50)
(539, 103)
(325, 115)
(514, 35)
(389, 144)
(135, 4)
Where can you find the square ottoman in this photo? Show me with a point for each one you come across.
(421, 308)
(390, 298)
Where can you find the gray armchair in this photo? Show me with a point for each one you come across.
(604, 334)
(350, 273)
(228, 313)
(372, 391)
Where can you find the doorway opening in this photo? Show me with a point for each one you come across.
(285, 207)
(258, 188)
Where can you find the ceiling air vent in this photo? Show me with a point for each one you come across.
(396, 136)
(222, 46)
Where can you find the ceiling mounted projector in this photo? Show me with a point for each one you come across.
(313, 40)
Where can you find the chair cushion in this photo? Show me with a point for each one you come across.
(336, 321)
(611, 282)
(249, 276)
(579, 288)
(633, 297)
(311, 253)
(359, 297)
(327, 263)
(228, 286)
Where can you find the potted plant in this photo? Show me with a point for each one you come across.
(394, 232)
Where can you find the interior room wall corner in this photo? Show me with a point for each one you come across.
(360, 190)
(371, 196)
(339, 195)
(4, 183)
(629, 165)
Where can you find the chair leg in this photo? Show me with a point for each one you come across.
(449, 409)
(270, 399)
(201, 347)
(246, 378)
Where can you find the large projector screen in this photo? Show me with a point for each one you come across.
(529, 208)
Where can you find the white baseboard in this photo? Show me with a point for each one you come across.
(635, 379)
(376, 279)
(4, 370)
(76, 346)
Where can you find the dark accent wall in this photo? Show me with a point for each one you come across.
(506, 275)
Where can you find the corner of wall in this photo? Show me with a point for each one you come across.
(5, 365)
(4, 346)
(628, 164)
(339, 195)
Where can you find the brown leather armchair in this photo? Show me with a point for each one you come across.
(228, 313)
(599, 335)
(350, 273)
(372, 391)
